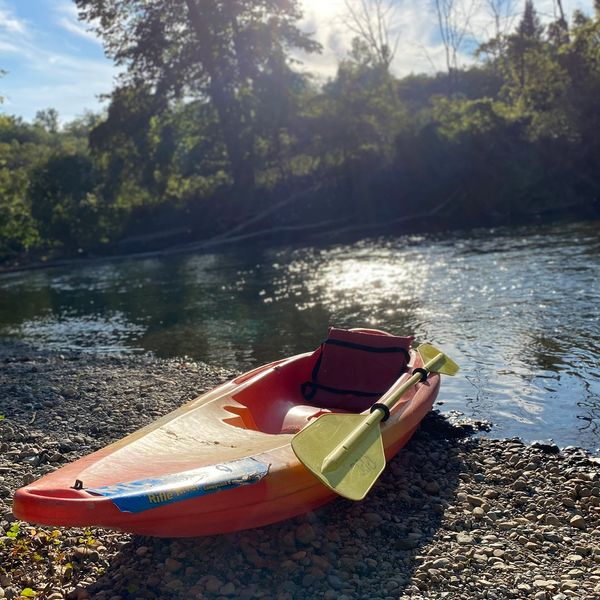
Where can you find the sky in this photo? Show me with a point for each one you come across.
(53, 61)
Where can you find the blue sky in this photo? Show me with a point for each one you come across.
(52, 60)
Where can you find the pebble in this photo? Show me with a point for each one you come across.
(305, 533)
(578, 521)
(553, 520)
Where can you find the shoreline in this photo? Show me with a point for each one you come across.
(452, 516)
(36, 262)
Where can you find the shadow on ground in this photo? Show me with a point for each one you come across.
(346, 549)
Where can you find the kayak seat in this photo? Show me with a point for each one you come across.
(284, 417)
(353, 368)
(300, 415)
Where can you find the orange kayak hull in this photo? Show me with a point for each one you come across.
(220, 463)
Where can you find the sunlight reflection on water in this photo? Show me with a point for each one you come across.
(517, 310)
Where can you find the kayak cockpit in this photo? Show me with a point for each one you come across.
(347, 373)
(274, 403)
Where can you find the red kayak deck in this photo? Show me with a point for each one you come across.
(221, 463)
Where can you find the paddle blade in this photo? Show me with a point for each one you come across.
(362, 463)
(443, 365)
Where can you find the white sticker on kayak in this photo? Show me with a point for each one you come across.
(144, 494)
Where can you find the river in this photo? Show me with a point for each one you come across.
(518, 309)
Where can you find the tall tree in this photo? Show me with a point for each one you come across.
(523, 47)
(47, 119)
(454, 22)
(215, 50)
(373, 23)
(530, 27)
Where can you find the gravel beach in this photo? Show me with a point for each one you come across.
(453, 516)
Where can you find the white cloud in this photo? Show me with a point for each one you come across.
(8, 47)
(49, 70)
(10, 23)
(420, 48)
(68, 19)
(76, 29)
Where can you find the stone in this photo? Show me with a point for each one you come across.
(475, 500)
(552, 520)
(172, 565)
(142, 551)
(441, 563)
(578, 521)
(213, 585)
(575, 558)
(228, 589)
(305, 533)
(432, 487)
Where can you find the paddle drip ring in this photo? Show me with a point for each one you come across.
(383, 408)
(423, 374)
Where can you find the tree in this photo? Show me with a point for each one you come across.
(523, 48)
(202, 49)
(530, 27)
(372, 22)
(454, 22)
(2, 74)
(502, 13)
(47, 119)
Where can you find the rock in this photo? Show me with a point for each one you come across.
(441, 563)
(552, 520)
(475, 500)
(305, 533)
(142, 551)
(213, 585)
(172, 565)
(228, 589)
(432, 487)
(575, 558)
(578, 521)
(406, 543)
(552, 537)
(547, 448)
(464, 539)
(82, 553)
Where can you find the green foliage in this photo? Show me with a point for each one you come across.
(211, 122)
(64, 203)
(210, 49)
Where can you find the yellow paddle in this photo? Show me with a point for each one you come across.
(345, 451)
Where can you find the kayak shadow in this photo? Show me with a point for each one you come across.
(367, 549)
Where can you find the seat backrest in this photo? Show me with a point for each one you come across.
(353, 368)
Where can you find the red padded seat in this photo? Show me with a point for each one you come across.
(353, 368)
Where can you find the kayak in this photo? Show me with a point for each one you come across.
(223, 462)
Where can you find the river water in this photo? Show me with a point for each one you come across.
(517, 309)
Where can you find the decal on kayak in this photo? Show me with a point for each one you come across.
(144, 494)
